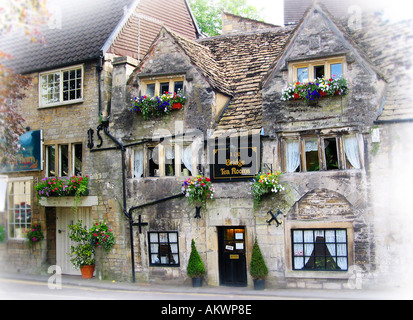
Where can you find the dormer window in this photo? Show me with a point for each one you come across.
(159, 86)
(313, 69)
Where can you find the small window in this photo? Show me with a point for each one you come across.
(319, 72)
(313, 69)
(62, 86)
(311, 155)
(163, 249)
(70, 160)
(302, 74)
(320, 249)
(50, 161)
(160, 86)
(336, 70)
(19, 207)
(331, 153)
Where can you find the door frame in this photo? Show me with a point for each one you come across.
(224, 257)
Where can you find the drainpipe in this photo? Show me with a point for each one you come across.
(128, 215)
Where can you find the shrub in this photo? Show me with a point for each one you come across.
(196, 268)
(258, 268)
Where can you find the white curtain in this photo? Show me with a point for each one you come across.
(352, 151)
(341, 238)
(298, 249)
(311, 145)
(187, 157)
(308, 244)
(293, 155)
(138, 165)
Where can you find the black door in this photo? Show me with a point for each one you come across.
(232, 261)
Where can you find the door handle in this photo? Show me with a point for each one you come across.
(60, 231)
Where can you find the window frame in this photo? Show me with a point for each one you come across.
(162, 161)
(170, 253)
(161, 80)
(11, 210)
(323, 166)
(311, 64)
(61, 101)
(314, 243)
(58, 158)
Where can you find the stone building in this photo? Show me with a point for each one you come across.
(71, 72)
(333, 151)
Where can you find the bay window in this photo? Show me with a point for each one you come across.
(321, 153)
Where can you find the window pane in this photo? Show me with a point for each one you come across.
(302, 74)
(77, 159)
(330, 152)
(164, 87)
(322, 249)
(19, 208)
(319, 72)
(311, 155)
(150, 90)
(163, 250)
(179, 85)
(64, 160)
(50, 161)
(336, 70)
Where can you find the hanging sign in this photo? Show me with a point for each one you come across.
(29, 157)
(235, 160)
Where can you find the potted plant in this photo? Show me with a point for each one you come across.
(83, 254)
(198, 190)
(264, 184)
(258, 268)
(101, 236)
(196, 268)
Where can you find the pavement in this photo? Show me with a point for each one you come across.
(233, 292)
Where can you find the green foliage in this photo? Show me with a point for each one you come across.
(258, 268)
(2, 234)
(196, 268)
(83, 253)
(198, 190)
(208, 13)
(101, 235)
(35, 234)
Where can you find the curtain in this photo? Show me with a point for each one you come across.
(341, 238)
(187, 157)
(352, 151)
(293, 155)
(138, 165)
(311, 145)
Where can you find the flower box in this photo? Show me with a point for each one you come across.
(317, 89)
(155, 107)
(69, 202)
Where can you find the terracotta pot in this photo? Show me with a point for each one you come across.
(87, 271)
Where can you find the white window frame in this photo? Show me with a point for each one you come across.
(28, 195)
(43, 104)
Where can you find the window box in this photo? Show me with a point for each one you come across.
(158, 106)
(69, 202)
(319, 88)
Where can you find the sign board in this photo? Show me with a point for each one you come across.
(235, 159)
(29, 158)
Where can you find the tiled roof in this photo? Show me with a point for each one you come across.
(394, 61)
(142, 28)
(85, 27)
(246, 59)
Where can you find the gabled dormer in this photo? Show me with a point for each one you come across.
(320, 49)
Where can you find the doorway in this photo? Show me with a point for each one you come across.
(232, 260)
(64, 218)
